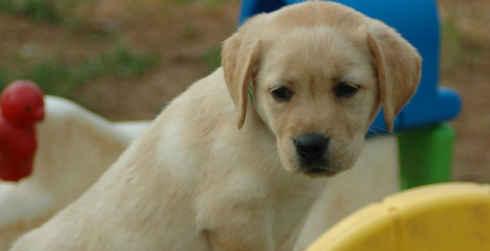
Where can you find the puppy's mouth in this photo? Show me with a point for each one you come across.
(318, 170)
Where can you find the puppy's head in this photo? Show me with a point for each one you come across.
(316, 74)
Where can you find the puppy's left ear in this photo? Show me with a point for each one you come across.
(398, 68)
(239, 58)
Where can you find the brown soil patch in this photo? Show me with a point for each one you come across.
(465, 67)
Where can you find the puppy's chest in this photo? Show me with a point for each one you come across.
(242, 206)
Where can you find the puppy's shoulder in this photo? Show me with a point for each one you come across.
(208, 90)
(198, 111)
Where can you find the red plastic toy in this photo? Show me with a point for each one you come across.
(21, 107)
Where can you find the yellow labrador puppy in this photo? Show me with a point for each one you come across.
(233, 163)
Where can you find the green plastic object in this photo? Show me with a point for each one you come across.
(426, 155)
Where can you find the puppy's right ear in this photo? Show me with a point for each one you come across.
(239, 58)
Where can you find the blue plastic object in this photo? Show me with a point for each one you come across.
(418, 22)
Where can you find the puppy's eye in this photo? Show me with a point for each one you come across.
(344, 90)
(282, 94)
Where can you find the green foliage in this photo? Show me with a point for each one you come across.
(3, 78)
(53, 12)
(38, 10)
(212, 57)
(125, 63)
(210, 3)
(190, 32)
(58, 78)
(53, 77)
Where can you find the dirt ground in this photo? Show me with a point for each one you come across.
(465, 67)
(186, 33)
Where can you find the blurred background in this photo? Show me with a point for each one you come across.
(126, 59)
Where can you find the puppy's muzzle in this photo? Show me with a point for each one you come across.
(312, 149)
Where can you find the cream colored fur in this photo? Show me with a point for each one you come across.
(216, 171)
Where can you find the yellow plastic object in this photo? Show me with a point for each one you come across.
(443, 217)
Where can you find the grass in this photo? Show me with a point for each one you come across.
(58, 78)
(3, 78)
(52, 12)
(209, 3)
(55, 76)
(212, 57)
(37, 10)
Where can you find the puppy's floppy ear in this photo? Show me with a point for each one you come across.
(398, 68)
(239, 58)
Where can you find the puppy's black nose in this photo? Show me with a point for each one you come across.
(311, 148)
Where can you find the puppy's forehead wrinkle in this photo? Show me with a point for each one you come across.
(295, 55)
